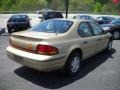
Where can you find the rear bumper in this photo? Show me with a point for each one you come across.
(35, 61)
(18, 26)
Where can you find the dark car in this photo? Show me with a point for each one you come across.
(104, 19)
(113, 28)
(50, 14)
(18, 23)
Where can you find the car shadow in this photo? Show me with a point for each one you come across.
(56, 79)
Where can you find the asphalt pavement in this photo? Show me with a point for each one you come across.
(101, 72)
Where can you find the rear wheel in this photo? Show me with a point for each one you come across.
(116, 35)
(109, 47)
(72, 65)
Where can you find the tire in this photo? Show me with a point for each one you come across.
(9, 31)
(73, 64)
(109, 47)
(116, 35)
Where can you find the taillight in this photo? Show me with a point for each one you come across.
(27, 20)
(47, 50)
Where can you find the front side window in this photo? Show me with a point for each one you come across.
(96, 29)
(84, 30)
(53, 26)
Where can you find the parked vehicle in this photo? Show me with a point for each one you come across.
(84, 17)
(113, 28)
(104, 19)
(50, 14)
(18, 23)
(2, 30)
(58, 43)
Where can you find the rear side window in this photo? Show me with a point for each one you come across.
(96, 29)
(84, 30)
(53, 26)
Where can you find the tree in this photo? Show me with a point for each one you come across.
(98, 7)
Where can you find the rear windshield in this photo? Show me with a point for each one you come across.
(18, 18)
(53, 26)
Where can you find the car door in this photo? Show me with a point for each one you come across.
(101, 37)
(87, 39)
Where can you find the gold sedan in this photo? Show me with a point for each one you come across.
(58, 43)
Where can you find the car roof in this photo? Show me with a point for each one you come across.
(83, 15)
(74, 20)
(19, 15)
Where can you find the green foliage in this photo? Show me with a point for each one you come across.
(102, 2)
(22, 5)
(80, 5)
(97, 7)
(74, 5)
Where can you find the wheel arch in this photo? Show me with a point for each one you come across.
(79, 50)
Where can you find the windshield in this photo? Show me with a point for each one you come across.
(53, 26)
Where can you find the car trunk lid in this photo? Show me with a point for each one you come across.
(28, 40)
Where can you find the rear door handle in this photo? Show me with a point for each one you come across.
(99, 39)
(85, 42)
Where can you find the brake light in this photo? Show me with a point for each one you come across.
(47, 50)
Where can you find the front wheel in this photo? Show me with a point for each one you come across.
(73, 63)
(116, 35)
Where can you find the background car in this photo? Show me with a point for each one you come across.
(58, 44)
(50, 14)
(84, 17)
(18, 23)
(2, 30)
(113, 28)
(104, 19)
